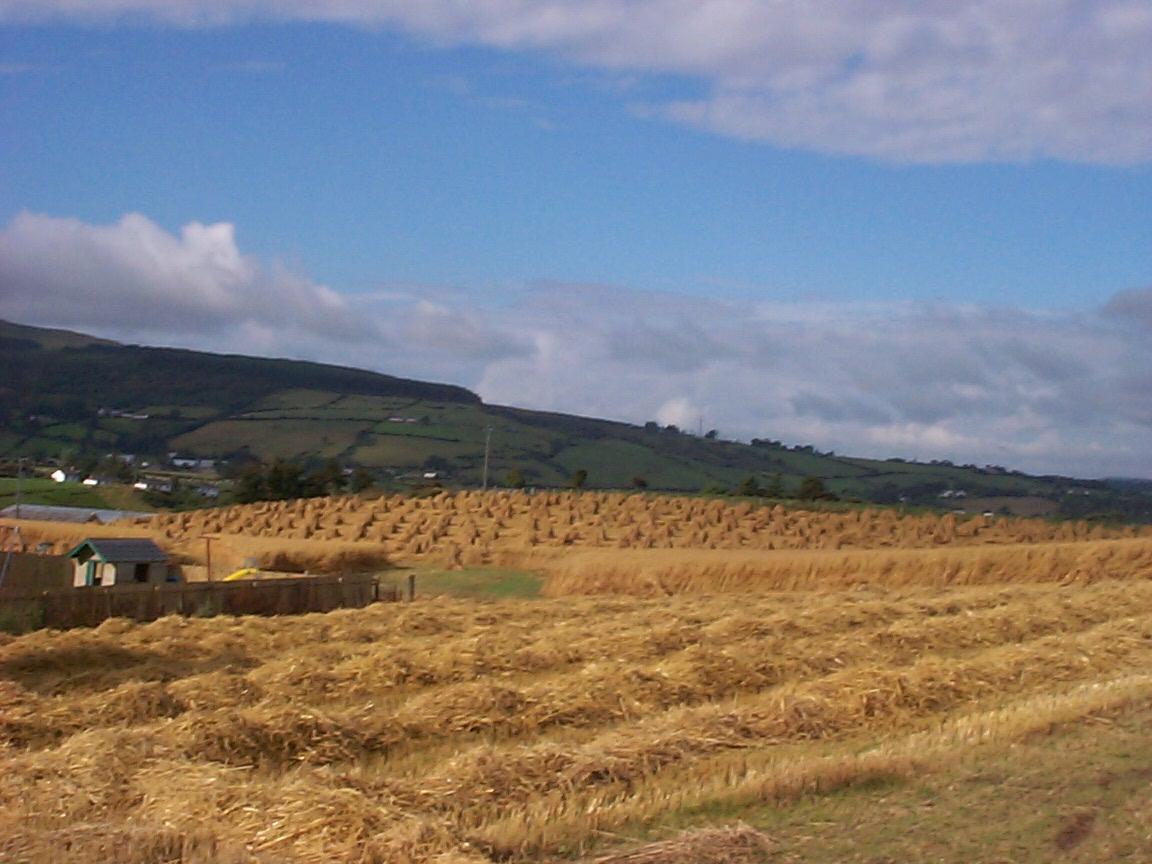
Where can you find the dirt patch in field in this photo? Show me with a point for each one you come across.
(1075, 830)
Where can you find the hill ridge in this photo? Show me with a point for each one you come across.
(67, 396)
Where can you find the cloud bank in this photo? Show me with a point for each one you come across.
(902, 80)
(134, 279)
(1044, 392)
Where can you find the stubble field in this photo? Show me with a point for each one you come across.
(656, 687)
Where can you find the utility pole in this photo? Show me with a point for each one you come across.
(487, 451)
(208, 556)
(19, 483)
(12, 542)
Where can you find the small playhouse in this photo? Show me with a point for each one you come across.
(116, 561)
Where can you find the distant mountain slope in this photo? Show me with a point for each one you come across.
(58, 363)
(66, 394)
(44, 337)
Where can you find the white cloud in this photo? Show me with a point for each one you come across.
(1042, 391)
(904, 80)
(1065, 393)
(134, 277)
(678, 412)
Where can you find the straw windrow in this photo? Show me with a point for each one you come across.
(806, 651)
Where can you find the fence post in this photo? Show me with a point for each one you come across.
(411, 587)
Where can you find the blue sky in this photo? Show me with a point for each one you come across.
(943, 211)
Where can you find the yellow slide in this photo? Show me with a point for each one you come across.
(242, 573)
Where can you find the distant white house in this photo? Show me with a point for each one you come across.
(116, 561)
(119, 412)
(191, 463)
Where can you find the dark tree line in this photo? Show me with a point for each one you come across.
(282, 479)
(810, 489)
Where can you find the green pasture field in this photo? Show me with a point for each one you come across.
(911, 472)
(269, 439)
(41, 447)
(617, 462)
(183, 412)
(295, 399)
(403, 451)
(328, 406)
(65, 431)
(36, 490)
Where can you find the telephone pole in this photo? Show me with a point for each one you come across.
(487, 452)
(208, 556)
(19, 484)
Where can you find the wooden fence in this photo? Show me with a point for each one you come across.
(25, 573)
(87, 607)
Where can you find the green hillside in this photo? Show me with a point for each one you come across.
(65, 396)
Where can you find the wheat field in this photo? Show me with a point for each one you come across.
(662, 572)
(475, 527)
(522, 730)
(688, 656)
(463, 529)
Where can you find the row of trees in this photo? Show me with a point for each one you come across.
(810, 489)
(515, 479)
(280, 480)
(673, 429)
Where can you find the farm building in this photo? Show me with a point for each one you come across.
(79, 515)
(112, 561)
